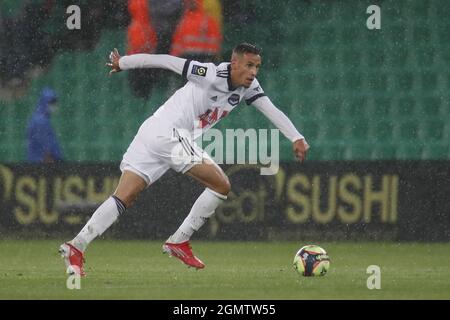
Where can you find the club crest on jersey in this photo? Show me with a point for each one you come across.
(234, 99)
(199, 70)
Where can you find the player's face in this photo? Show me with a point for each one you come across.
(244, 69)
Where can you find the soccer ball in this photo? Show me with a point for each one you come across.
(311, 260)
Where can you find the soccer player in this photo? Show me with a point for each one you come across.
(211, 92)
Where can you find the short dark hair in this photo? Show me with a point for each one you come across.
(245, 47)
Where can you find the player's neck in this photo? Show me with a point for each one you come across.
(233, 82)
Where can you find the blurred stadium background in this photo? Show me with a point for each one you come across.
(355, 93)
(373, 104)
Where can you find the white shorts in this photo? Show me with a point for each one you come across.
(157, 148)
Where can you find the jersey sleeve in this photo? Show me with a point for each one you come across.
(278, 118)
(142, 60)
(199, 73)
(254, 92)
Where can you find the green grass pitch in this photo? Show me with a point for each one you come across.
(32, 269)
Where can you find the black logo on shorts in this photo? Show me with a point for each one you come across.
(199, 70)
(234, 99)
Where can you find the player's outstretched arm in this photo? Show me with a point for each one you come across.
(282, 122)
(143, 61)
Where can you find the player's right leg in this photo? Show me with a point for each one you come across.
(140, 166)
(129, 187)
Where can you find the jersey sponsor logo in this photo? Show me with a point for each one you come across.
(214, 98)
(210, 116)
(257, 89)
(234, 99)
(199, 70)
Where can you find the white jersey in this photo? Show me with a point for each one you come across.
(208, 95)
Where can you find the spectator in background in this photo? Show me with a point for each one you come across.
(198, 35)
(42, 144)
(141, 34)
(141, 39)
(165, 17)
(150, 31)
(186, 28)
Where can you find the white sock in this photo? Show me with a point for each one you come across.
(202, 209)
(102, 219)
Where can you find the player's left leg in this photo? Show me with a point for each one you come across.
(217, 188)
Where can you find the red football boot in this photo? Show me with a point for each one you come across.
(73, 258)
(183, 251)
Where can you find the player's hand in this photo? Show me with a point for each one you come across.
(300, 148)
(114, 58)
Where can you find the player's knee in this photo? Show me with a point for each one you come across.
(126, 198)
